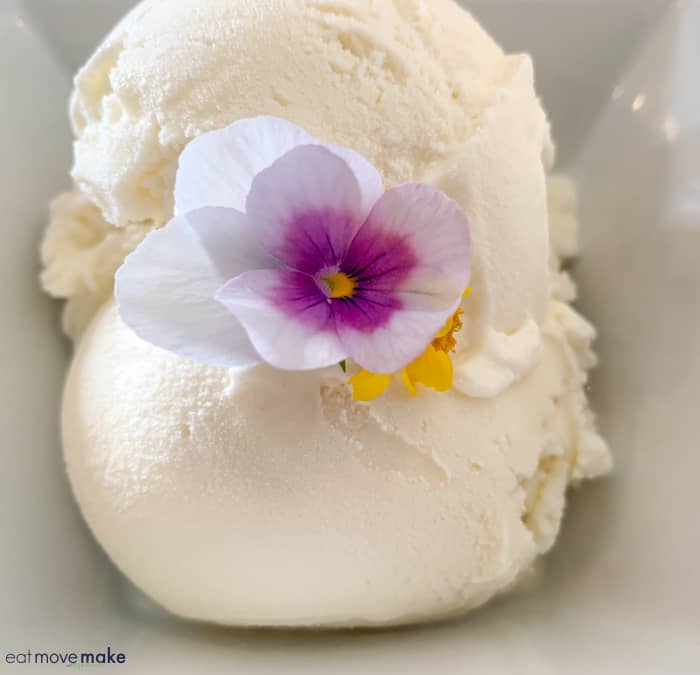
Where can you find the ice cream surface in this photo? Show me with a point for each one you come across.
(271, 498)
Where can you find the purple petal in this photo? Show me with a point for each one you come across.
(165, 290)
(287, 317)
(415, 242)
(411, 264)
(306, 208)
(378, 265)
(217, 168)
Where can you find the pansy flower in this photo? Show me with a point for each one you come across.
(288, 251)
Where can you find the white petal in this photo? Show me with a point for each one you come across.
(228, 241)
(287, 318)
(217, 168)
(165, 290)
(368, 178)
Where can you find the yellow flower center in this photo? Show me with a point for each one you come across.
(340, 285)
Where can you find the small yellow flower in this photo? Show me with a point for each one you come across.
(367, 386)
(433, 368)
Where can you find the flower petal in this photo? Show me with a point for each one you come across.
(367, 386)
(432, 369)
(430, 225)
(306, 208)
(391, 347)
(411, 263)
(218, 167)
(165, 290)
(287, 317)
(368, 178)
(408, 382)
(228, 241)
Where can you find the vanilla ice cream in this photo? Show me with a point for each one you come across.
(271, 498)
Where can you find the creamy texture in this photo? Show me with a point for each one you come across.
(270, 498)
(80, 254)
(404, 83)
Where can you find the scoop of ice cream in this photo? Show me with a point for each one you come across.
(404, 83)
(418, 88)
(269, 498)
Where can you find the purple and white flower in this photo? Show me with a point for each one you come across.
(289, 251)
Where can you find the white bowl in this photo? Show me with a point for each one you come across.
(619, 594)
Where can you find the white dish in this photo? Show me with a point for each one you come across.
(619, 592)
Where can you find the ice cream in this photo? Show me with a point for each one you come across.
(269, 498)
(80, 254)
